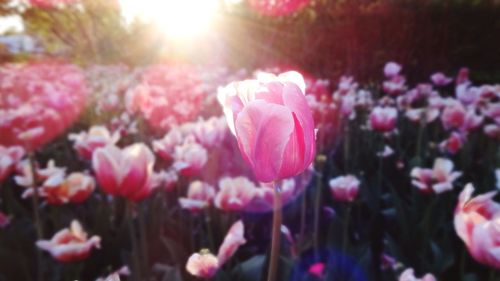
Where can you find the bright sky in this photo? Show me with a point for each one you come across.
(11, 23)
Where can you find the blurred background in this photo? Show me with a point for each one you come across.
(321, 37)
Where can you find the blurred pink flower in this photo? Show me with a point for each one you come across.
(388, 151)
(344, 188)
(233, 240)
(409, 275)
(189, 158)
(395, 86)
(202, 265)
(210, 132)
(86, 142)
(199, 196)
(70, 244)
(9, 157)
(4, 220)
(492, 131)
(462, 76)
(453, 116)
(165, 147)
(317, 269)
(453, 143)
(126, 172)
(278, 8)
(49, 4)
(75, 188)
(392, 69)
(439, 79)
(477, 223)
(25, 177)
(438, 179)
(234, 193)
(262, 200)
(41, 101)
(493, 112)
(272, 123)
(383, 119)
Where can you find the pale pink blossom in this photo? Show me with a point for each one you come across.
(234, 193)
(126, 172)
(262, 200)
(440, 79)
(25, 177)
(199, 196)
(344, 188)
(395, 86)
(438, 179)
(492, 131)
(9, 157)
(165, 147)
(70, 244)
(317, 269)
(392, 69)
(477, 223)
(61, 189)
(97, 136)
(493, 112)
(472, 120)
(388, 151)
(211, 132)
(383, 119)
(189, 158)
(462, 76)
(409, 275)
(202, 265)
(272, 123)
(428, 113)
(233, 240)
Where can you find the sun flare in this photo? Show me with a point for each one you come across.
(178, 19)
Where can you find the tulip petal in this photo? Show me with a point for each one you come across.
(104, 162)
(263, 130)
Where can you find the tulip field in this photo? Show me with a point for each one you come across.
(177, 171)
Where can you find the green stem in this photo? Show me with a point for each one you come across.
(208, 222)
(143, 237)
(346, 228)
(276, 233)
(303, 209)
(36, 213)
(317, 205)
(136, 271)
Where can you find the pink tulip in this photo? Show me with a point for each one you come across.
(493, 112)
(125, 172)
(278, 8)
(409, 275)
(202, 265)
(189, 158)
(211, 132)
(165, 147)
(262, 200)
(234, 194)
(439, 79)
(70, 244)
(477, 223)
(344, 188)
(273, 125)
(438, 179)
(75, 188)
(233, 240)
(453, 116)
(4, 220)
(492, 131)
(9, 157)
(462, 76)
(395, 86)
(383, 119)
(25, 173)
(200, 195)
(392, 69)
(86, 142)
(317, 269)
(453, 143)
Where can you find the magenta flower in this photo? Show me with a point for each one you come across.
(383, 119)
(70, 244)
(453, 143)
(317, 269)
(126, 172)
(273, 125)
(344, 188)
(453, 116)
(477, 223)
(234, 193)
(189, 158)
(200, 195)
(86, 142)
(438, 179)
(9, 157)
(439, 79)
(392, 69)
(409, 275)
